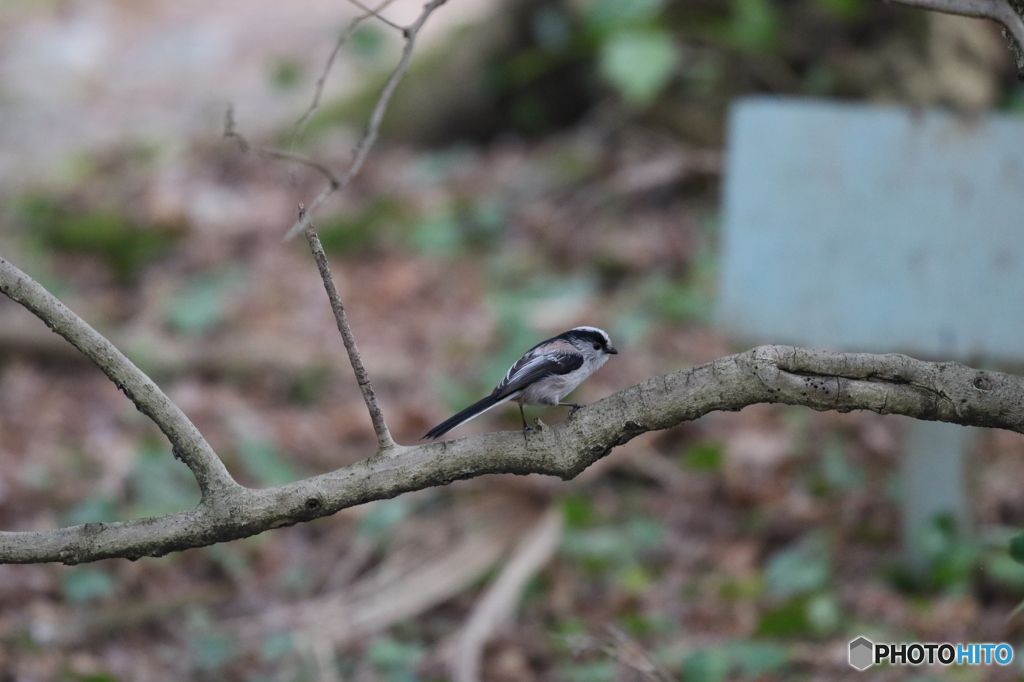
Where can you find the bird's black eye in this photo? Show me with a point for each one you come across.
(597, 346)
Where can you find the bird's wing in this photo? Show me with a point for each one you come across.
(532, 367)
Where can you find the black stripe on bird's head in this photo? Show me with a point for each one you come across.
(597, 338)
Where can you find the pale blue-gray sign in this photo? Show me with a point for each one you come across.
(860, 227)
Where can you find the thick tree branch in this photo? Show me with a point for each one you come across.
(384, 439)
(887, 384)
(189, 445)
(362, 149)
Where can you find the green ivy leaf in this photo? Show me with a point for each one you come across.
(799, 569)
(639, 63)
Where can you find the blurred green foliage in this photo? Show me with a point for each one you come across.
(590, 671)
(800, 569)
(1013, 101)
(753, 26)
(286, 73)
(383, 222)
(466, 223)
(262, 461)
(1017, 548)
(160, 483)
(798, 582)
(577, 511)
(838, 472)
(553, 61)
(639, 63)
(306, 386)
(845, 9)
(742, 658)
(211, 649)
(636, 53)
(395, 660)
(954, 563)
(382, 517)
(96, 509)
(104, 233)
(704, 456)
(199, 304)
(82, 585)
(277, 646)
(367, 42)
(231, 558)
(620, 545)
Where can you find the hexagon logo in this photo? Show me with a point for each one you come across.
(861, 653)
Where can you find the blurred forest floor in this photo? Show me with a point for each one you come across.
(742, 546)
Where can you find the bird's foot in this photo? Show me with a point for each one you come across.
(576, 407)
(525, 430)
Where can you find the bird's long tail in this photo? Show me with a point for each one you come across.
(474, 410)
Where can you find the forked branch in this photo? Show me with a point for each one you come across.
(887, 384)
(189, 445)
(318, 91)
(336, 181)
(362, 149)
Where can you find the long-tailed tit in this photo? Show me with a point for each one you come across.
(543, 376)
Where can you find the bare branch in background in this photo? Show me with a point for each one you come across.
(318, 92)
(231, 132)
(499, 603)
(376, 13)
(362, 149)
(384, 439)
(1000, 11)
(629, 653)
(335, 182)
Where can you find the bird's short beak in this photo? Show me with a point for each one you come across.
(611, 351)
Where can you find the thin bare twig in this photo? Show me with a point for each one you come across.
(1000, 11)
(231, 132)
(300, 125)
(373, 129)
(188, 444)
(501, 599)
(629, 653)
(376, 13)
(393, 592)
(384, 439)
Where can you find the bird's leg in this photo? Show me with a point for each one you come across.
(576, 407)
(522, 416)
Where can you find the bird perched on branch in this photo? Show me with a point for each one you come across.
(543, 376)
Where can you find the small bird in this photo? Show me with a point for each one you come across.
(543, 376)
